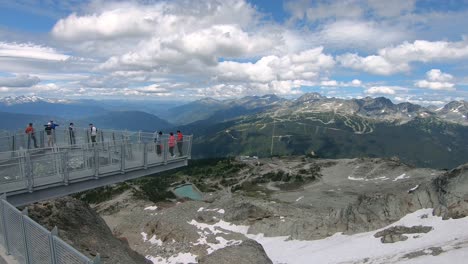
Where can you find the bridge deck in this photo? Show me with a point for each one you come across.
(29, 175)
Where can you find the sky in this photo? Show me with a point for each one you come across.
(405, 50)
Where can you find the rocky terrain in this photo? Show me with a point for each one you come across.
(265, 208)
(83, 229)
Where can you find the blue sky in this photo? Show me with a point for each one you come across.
(406, 50)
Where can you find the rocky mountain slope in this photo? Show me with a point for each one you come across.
(307, 202)
(82, 228)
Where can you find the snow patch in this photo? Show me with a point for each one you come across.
(300, 198)
(151, 208)
(175, 259)
(145, 236)
(358, 247)
(203, 209)
(155, 241)
(413, 189)
(401, 177)
(355, 179)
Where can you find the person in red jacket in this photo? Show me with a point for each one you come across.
(31, 135)
(171, 144)
(180, 140)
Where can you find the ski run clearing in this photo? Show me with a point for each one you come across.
(446, 243)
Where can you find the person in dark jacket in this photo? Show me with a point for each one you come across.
(158, 141)
(71, 132)
(50, 138)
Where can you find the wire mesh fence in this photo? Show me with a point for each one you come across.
(31, 243)
(26, 169)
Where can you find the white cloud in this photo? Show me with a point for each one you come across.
(307, 65)
(436, 80)
(435, 85)
(372, 64)
(334, 83)
(356, 82)
(360, 34)
(30, 51)
(391, 60)
(437, 75)
(380, 90)
(19, 81)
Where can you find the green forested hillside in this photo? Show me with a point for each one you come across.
(425, 142)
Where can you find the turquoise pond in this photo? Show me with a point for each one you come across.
(188, 191)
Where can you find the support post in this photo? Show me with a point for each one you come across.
(54, 232)
(4, 223)
(189, 149)
(97, 259)
(96, 162)
(25, 234)
(122, 157)
(28, 171)
(145, 155)
(66, 175)
(165, 152)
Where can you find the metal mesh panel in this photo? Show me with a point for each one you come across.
(11, 174)
(46, 165)
(46, 168)
(2, 229)
(133, 156)
(27, 240)
(14, 231)
(152, 151)
(38, 242)
(5, 143)
(65, 254)
(109, 158)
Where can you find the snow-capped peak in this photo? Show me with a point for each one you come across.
(24, 99)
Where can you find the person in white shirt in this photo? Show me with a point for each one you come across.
(93, 133)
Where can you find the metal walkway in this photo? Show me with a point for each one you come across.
(29, 174)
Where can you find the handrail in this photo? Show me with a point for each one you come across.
(62, 136)
(26, 170)
(29, 242)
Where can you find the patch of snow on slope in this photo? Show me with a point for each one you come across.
(206, 230)
(175, 259)
(155, 241)
(220, 211)
(401, 177)
(356, 248)
(151, 208)
(450, 235)
(355, 179)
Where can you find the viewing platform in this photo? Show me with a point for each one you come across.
(73, 163)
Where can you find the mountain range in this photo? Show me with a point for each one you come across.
(270, 125)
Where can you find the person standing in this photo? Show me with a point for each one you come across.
(53, 126)
(171, 144)
(71, 132)
(31, 135)
(180, 142)
(93, 133)
(50, 139)
(158, 141)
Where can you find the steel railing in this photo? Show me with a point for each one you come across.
(29, 242)
(64, 137)
(25, 170)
